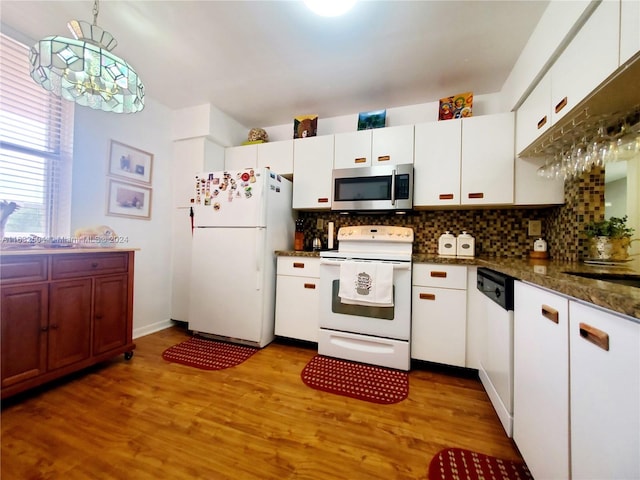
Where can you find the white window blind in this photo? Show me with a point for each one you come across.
(36, 142)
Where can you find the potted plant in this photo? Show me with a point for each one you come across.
(609, 239)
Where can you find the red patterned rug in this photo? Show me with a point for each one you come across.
(208, 354)
(356, 380)
(460, 464)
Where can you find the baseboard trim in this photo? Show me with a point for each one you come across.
(154, 327)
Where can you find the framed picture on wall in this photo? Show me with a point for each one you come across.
(130, 163)
(128, 200)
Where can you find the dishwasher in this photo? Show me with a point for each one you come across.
(496, 357)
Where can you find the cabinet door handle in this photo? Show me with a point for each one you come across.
(561, 104)
(542, 122)
(427, 296)
(323, 200)
(44, 329)
(361, 160)
(384, 158)
(439, 274)
(550, 313)
(298, 265)
(312, 286)
(595, 336)
(446, 196)
(476, 195)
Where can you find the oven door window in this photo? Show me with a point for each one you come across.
(382, 313)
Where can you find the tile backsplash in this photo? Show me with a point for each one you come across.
(497, 231)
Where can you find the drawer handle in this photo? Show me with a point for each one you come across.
(561, 104)
(44, 329)
(542, 122)
(384, 158)
(361, 160)
(427, 296)
(439, 274)
(312, 286)
(476, 195)
(298, 265)
(94, 264)
(550, 313)
(323, 200)
(446, 196)
(595, 336)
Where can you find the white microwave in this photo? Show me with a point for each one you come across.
(380, 188)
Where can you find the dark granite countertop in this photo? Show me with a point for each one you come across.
(549, 274)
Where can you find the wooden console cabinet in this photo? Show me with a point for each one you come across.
(61, 312)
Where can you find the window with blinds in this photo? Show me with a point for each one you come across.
(36, 142)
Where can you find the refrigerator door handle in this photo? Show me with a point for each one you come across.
(260, 247)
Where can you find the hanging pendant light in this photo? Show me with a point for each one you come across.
(83, 69)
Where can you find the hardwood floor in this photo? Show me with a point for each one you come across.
(150, 419)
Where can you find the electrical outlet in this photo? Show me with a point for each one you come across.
(535, 228)
(319, 224)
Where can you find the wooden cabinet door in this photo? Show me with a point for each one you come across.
(541, 380)
(534, 115)
(69, 322)
(24, 332)
(353, 149)
(297, 307)
(110, 313)
(487, 160)
(312, 166)
(605, 394)
(436, 165)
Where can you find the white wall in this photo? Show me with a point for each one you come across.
(149, 130)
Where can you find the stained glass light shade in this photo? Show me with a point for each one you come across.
(85, 71)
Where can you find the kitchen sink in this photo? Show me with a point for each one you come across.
(631, 280)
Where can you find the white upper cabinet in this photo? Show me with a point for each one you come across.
(534, 115)
(487, 160)
(278, 156)
(587, 61)
(380, 146)
(436, 167)
(353, 149)
(312, 166)
(392, 145)
(237, 158)
(629, 29)
(466, 161)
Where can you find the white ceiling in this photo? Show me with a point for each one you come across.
(264, 62)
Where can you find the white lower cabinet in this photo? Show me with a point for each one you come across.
(541, 381)
(298, 298)
(439, 314)
(605, 394)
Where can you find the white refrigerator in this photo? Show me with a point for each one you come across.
(240, 218)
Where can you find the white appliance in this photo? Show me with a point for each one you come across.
(496, 360)
(240, 218)
(378, 335)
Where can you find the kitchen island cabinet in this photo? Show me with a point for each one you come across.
(298, 298)
(62, 312)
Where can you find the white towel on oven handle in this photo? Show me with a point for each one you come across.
(366, 283)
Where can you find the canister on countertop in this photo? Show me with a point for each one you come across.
(447, 244)
(540, 245)
(298, 242)
(466, 245)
